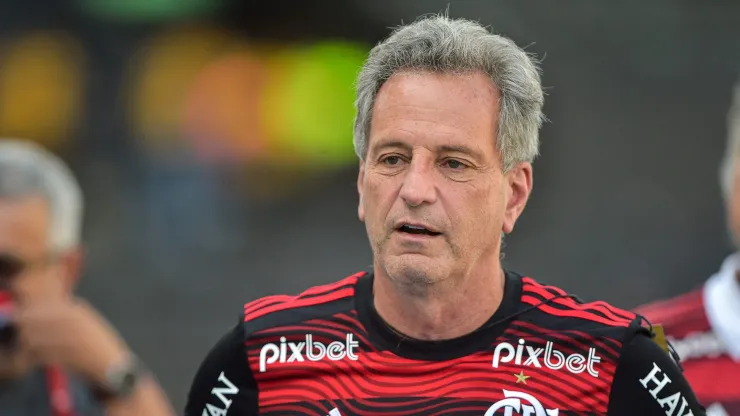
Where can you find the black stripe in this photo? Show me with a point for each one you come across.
(564, 323)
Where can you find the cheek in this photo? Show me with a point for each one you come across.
(378, 198)
(481, 211)
(28, 286)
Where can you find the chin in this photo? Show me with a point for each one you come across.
(415, 270)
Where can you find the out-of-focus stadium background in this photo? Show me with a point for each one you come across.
(213, 141)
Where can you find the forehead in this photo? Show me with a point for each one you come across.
(428, 106)
(24, 225)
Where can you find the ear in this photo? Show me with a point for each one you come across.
(360, 189)
(519, 186)
(72, 264)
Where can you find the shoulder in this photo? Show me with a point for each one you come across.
(557, 303)
(315, 302)
(647, 380)
(225, 380)
(596, 329)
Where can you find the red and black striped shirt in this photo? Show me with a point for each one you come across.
(327, 351)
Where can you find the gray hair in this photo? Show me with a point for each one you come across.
(444, 45)
(732, 152)
(27, 169)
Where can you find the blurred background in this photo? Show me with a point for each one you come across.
(214, 143)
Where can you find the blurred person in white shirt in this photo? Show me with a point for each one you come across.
(703, 325)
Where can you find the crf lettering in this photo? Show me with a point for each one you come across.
(517, 401)
(655, 382)
(221, 392)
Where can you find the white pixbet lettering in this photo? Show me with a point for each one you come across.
(513, 402)
(222, 392)
(551, 358)
(308, 350)
(334, 412)
(655, 382)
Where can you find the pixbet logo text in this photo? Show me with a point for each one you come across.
(288, 352)
(552, 358)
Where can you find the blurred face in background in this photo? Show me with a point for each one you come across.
(733, 206)
(29, 270)
(433, 195)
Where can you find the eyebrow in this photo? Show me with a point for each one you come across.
(389, 144)
(460, 149)
(440, 149)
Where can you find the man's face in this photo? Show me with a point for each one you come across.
(27, 268)
(432, 163)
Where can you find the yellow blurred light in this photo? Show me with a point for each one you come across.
(162, 76)
(41, 88)
(309, 103)
(222, 110)
(280, 64)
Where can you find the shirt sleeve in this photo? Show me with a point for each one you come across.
(224, 384)
(649, 382)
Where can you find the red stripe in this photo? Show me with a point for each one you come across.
(299, 303)
(60, 396)
(590, 307)
(571, 314)
(332, 291)
(560, 292)
(618, 314)
(586, 310)
(347, 281)
(254, 305)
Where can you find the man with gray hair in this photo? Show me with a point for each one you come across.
(447, 125)
(58, 356)
(704, 324)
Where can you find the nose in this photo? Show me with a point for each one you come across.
(418, 183)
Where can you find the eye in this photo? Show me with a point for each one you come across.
(454, 164)
(391, 160)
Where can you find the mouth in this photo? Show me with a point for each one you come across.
(416, 229)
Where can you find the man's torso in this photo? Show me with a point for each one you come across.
(326, 352)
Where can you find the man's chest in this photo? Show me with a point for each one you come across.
(345, 376)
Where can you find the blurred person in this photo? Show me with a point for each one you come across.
(703, 325)
(447, 126)
(58, 356)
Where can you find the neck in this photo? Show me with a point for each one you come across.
(449, 309)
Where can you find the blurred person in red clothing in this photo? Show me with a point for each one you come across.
(704, 325)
